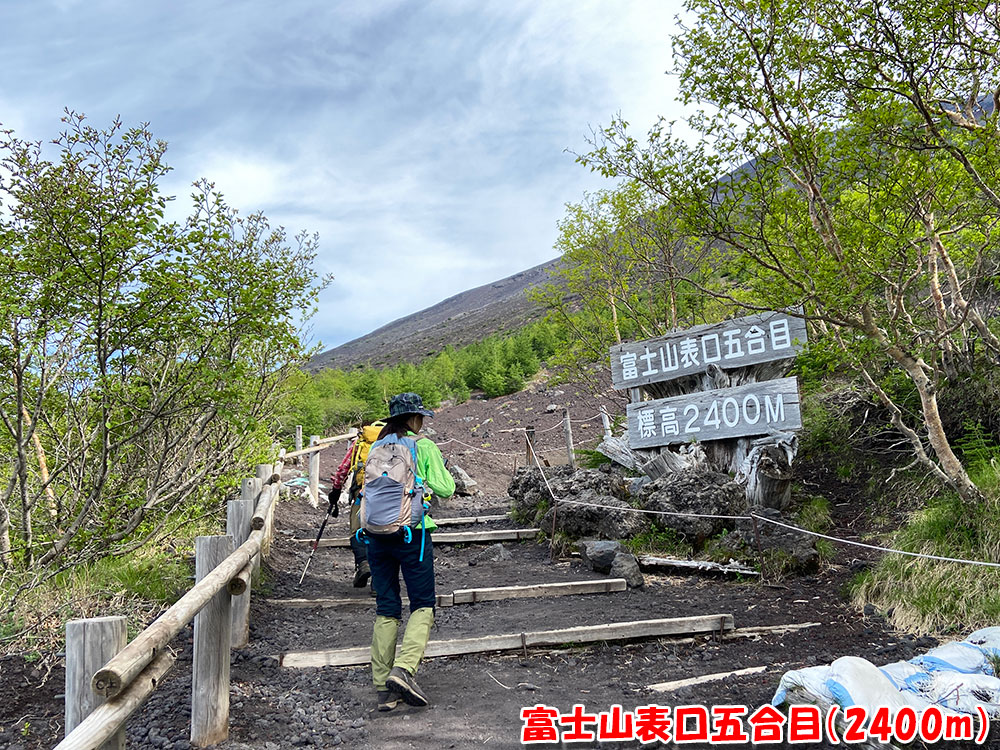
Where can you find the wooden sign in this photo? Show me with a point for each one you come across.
(752, 409)
(763, 337)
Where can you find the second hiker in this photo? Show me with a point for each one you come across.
(351, 475)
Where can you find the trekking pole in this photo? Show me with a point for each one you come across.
(330, 511)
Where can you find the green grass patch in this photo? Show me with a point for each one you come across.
(926, 596)
(590, 459)
(136, 585)
(665, 541)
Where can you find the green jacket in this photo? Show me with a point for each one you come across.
(431, 468)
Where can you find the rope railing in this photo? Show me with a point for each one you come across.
(764, 519)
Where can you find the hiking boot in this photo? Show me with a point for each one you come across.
(402, 682)
(387, 700)
(361, 574)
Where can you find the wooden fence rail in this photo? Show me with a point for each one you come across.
(97, 706)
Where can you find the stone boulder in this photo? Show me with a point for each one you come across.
(531, 502)
(625, 565)
(799, 550)
(599, 554)
(702, 492)
(597, 517)
(464, 484)
(530, 498)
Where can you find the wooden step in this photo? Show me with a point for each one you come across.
(472, 596)
(467, 520)
(613, 631)
(449, 537)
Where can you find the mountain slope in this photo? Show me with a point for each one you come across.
(460, 320)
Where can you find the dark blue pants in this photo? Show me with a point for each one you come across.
(390, 555)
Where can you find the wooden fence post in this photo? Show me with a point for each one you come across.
(529, 445)
(90, 644)
(298, 442)
(212, 637)
(250, 493)
(568, 430)
(314, 474)
(238, 513)
(606, 421)
(264, 473)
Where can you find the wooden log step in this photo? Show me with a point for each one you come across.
(471, 596)
(451, 537)
(443, 600)
(614, 631)
(570, 588)
(653, 561)
(466, 520)
(666, 687)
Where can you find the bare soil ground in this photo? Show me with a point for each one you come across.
(477, 699)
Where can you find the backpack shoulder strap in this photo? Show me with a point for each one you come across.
(411, 443)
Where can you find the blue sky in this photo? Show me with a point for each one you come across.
(424, 141)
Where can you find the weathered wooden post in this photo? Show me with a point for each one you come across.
(264, 474)
(568, 431)
(238, 513)
(250, 493)
(212, 638)
(298, 443)
(529, 445)
(607, 422)
(314, 474)
(90, 644)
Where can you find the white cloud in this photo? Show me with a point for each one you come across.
(423, 138)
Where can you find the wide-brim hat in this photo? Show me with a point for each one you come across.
(407, 403)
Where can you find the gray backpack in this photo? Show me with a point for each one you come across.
(393, 493)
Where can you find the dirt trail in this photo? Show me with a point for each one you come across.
(477, 699)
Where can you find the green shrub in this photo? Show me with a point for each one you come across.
(931, 596)
(665, 541)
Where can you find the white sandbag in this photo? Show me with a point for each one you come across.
(806, 685)
(954, 657)
(854, 681)
(986, 640)
(906, 676)
(964, 692)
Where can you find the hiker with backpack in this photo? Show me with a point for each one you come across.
(403, 470)
(351, 474)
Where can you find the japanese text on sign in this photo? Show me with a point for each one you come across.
(753, 409)
(767, 725)
(735, 343)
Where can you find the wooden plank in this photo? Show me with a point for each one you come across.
(614, 631)
(471, 596)
(666, 687)
(469, 520)
(751, 340)
(451, 537)
(652, 561)
(570, 588)
(90, 644)
(443, 600)
(751, 409)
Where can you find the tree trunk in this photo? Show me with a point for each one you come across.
(5, 560)
(949, 463)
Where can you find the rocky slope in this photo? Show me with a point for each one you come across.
(460, 320)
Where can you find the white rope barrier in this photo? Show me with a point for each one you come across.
(771, 521)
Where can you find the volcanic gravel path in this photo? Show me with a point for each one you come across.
(477, 699)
